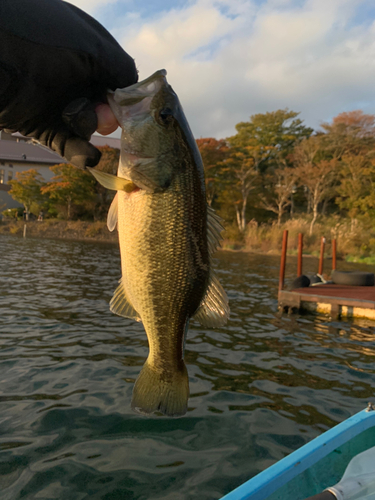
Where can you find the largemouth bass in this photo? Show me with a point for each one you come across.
(166, 234)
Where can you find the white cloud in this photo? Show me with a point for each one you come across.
(90, 6)
(229, 59)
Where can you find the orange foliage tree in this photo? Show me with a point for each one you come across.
(70, 186)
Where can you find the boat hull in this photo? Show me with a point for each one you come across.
(313, 467)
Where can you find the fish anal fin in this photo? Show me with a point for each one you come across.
(120, 304)
(113, 214)
(214, 308)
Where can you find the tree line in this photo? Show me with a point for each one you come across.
(274, 165)
(71, 194)
(271, 169)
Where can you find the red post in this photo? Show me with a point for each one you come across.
(283, 259)
(300, 249)
(322, 244)
(334, 249)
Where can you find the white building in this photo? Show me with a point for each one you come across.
(18, 154)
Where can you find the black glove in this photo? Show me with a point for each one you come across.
(56, 63)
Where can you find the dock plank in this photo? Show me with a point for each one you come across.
(340, 299)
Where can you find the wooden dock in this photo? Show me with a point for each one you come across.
(332, 299)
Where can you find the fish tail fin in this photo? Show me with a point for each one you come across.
(155, 392)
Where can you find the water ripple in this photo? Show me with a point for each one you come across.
(260, 387)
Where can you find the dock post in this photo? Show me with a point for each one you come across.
(24, 231)
(334, 249)
(300, 249)
(283, 259)
(322, 244)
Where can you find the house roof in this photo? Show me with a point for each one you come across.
(22, 151)
(101, 140)
(28, 152)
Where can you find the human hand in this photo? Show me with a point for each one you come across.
(56, 65)
(107, 122)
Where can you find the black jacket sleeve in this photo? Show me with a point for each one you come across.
(56, 63)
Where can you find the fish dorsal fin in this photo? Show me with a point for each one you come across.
(214, 230)
(120, 303)
(113, 182)
(112, 214)
(214, 309)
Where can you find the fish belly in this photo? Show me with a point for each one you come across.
(165, 272)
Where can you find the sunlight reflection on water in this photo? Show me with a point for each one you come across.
(260, 387)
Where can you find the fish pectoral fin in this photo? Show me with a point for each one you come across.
(113, 214)
(214, 229)
(113, 182)
(121, 305)
(214, 308)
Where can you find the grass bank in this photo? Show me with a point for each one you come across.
(355, 243)
(57, 229)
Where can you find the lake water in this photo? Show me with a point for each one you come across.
(260, 387)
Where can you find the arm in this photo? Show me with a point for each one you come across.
(56, 65)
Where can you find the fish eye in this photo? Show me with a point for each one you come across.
(166, 116)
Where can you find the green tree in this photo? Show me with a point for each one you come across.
(70, 187)
(27, 188)
(214, 152)
(240, 178)
(269, 137)
(356, 188)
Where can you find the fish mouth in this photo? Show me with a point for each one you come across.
(135, 189)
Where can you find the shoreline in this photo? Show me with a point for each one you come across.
(97, 232)
(60, 229)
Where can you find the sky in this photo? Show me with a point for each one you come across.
(230, 59)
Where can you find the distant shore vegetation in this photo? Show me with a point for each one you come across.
(273, 174)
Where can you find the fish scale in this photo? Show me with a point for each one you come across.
(170, 287)
(166, 235)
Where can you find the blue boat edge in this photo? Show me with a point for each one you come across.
(277, 475)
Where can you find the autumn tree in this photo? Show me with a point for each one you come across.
(213, 152)
(349, 133)
(109, 160)
(318, 178)
(108, 163)
(280, 183)
(308, 153)
(27, 188)
(70, 187)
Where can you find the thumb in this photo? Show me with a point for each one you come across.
(76, 150)
(81, 153)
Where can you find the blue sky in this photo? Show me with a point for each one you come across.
(230, 59)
